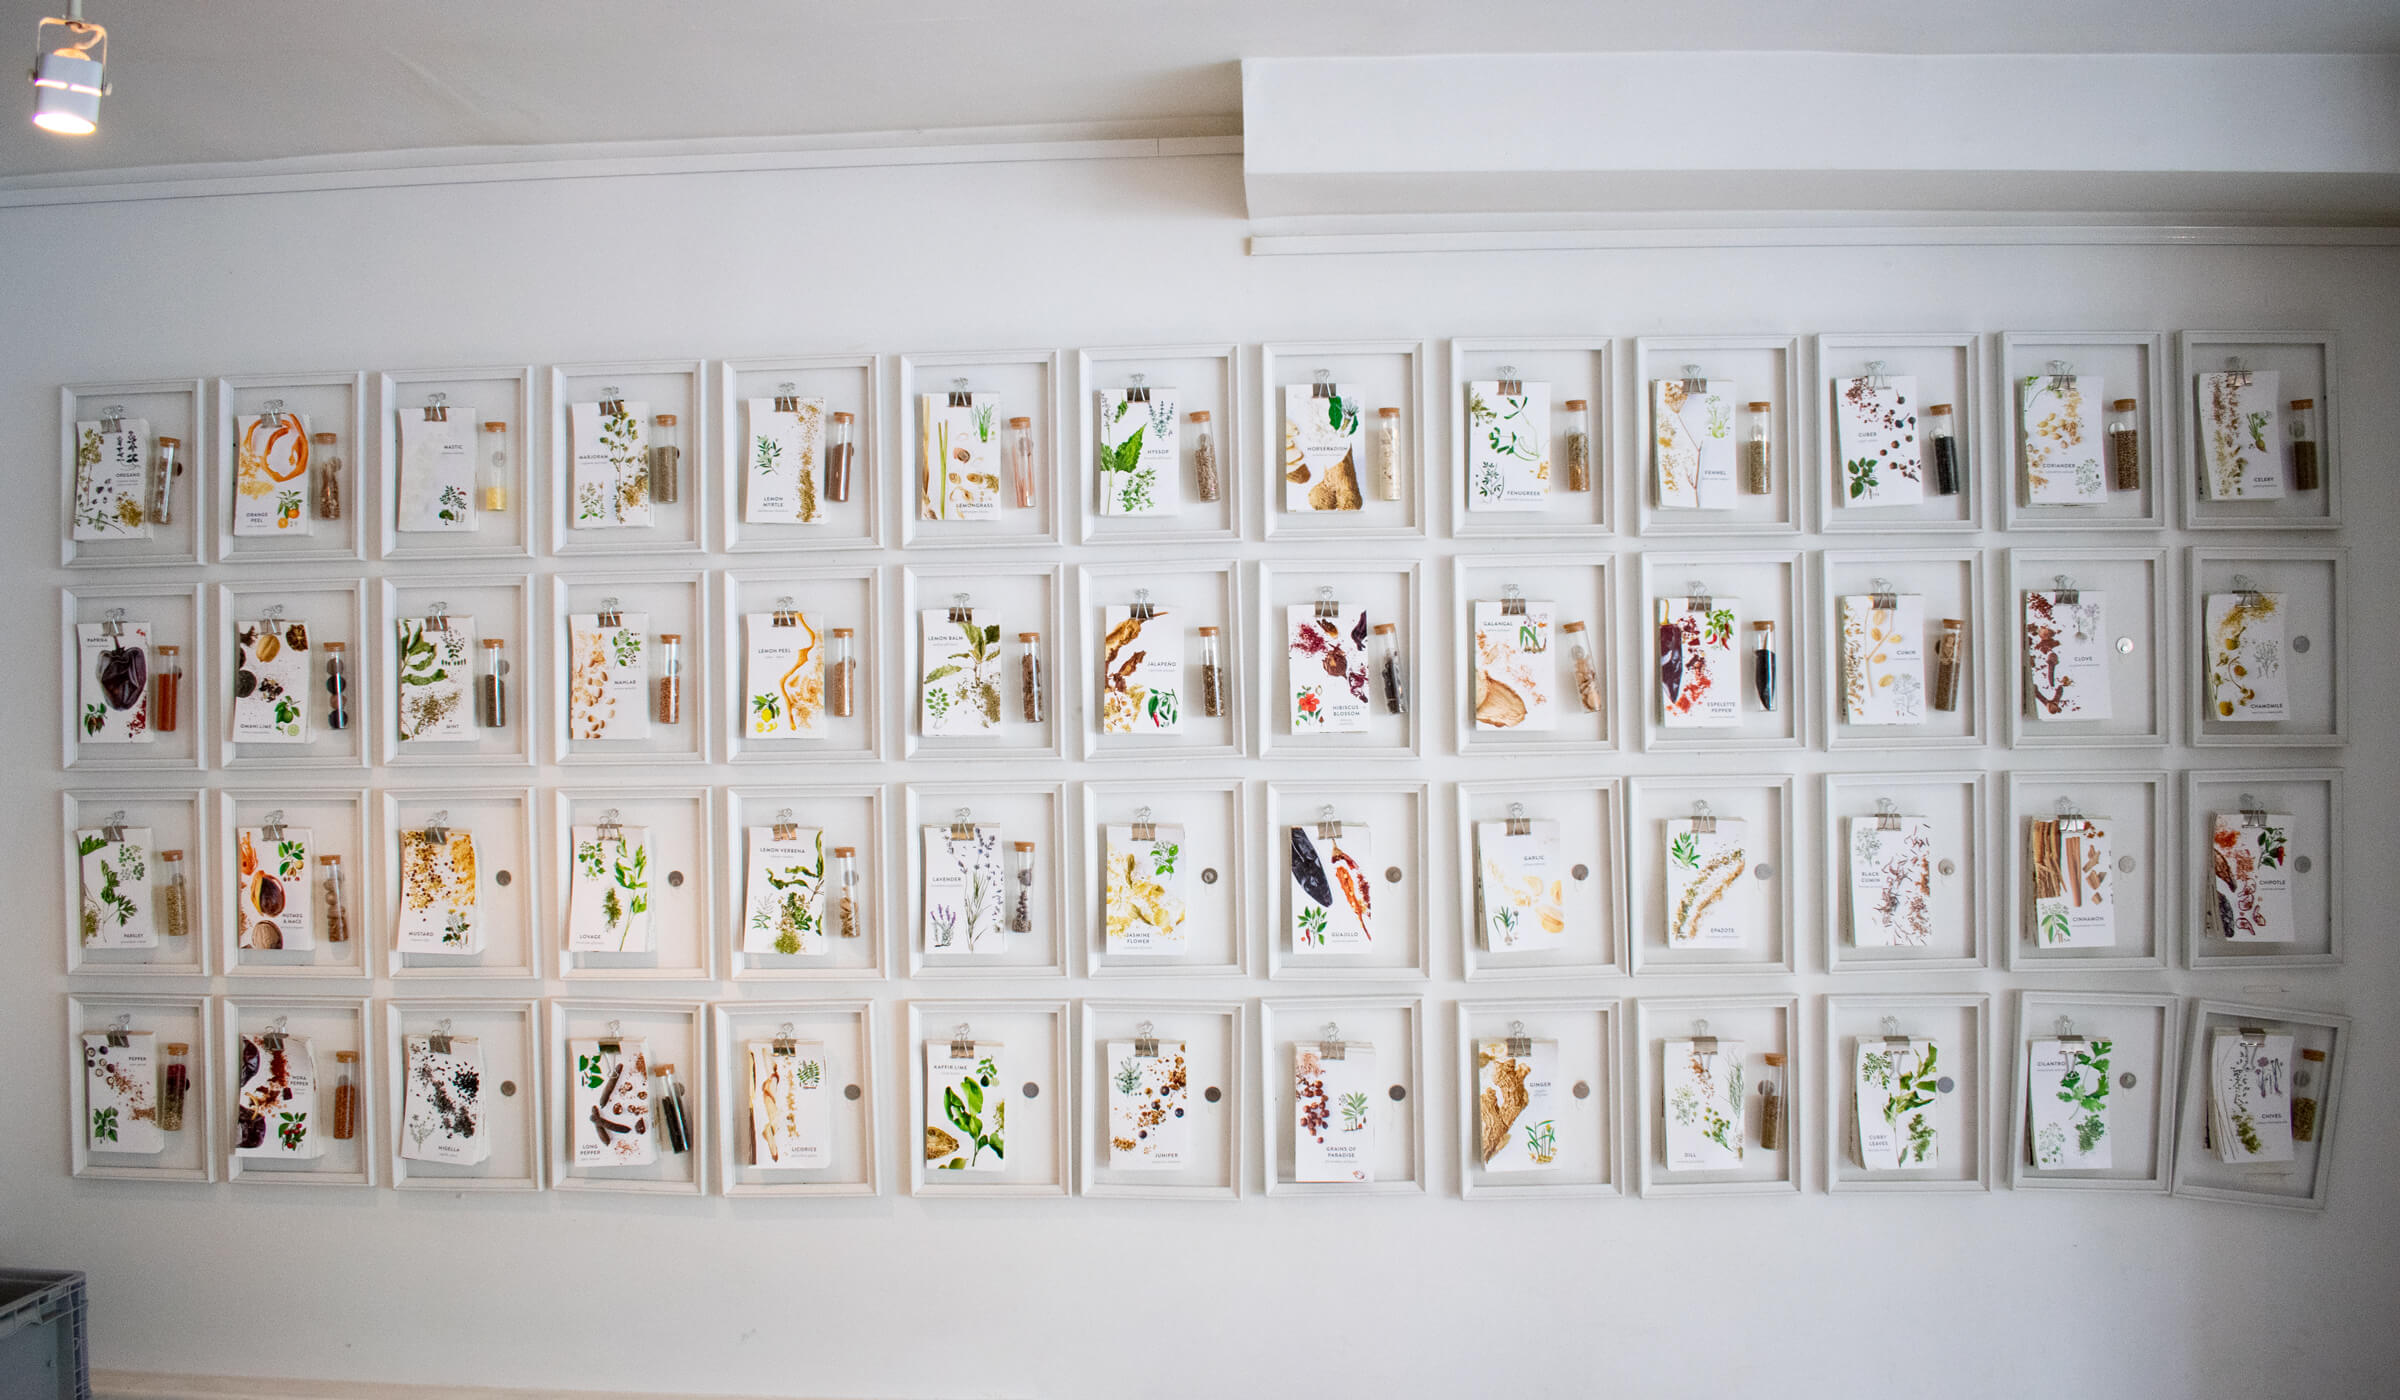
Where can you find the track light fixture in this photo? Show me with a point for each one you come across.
(69, 73)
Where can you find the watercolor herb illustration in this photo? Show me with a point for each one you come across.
(1508, 447)
(783, 674)
(2250, 885)
(434, 671)
(112, 682)
(1320, 448)
(607, 677)
(112, 477)
(1149, 1097)
(2066, 662)
(2062, 443)
(274, 902)
(1515, 670)
(1144, 893)
(270, 468)
(2067, 1087)
(966, 1103)
(963, 891)
(270, 683)
(1335, 1128)
(1519, 886)
(277, 1098)
(1692, 444)
(1703, 1083)
(1895, 1084)
(1140, 450)
(2074, 886)
(960, 689)
(2240, 425)
(1327, 659)
(1515, 1123)
(1875, 422)
(2250, 1094)
(1332, 899)
(958, 457)
(1891, 882)
(1883, 659)
(437, 472)
(120, 1093)
(115, 896)
(780, 487)
(783, 898)
(790, 1112)
(1141, 670)
(1703, 868)
(441, 1112)
(1698, 685)
(610, 473)
(2246, 681)
(609, 1117)
(437, 894)
(608, 890)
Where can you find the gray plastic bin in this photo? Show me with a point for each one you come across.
(42, 1350)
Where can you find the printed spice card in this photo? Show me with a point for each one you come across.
(2066, 1102)
(1328, 662)
(437, 472)
(437, 894)
(112, 683)
(2249, 1095)
(608, 890)
(1332, 897)
(1891, 882)
(274, 900)
(2241, 435)
(1320, 448)
(1508, 447)
(779, 483)
(1703, 1087)
(2246, 682)
(1333, 1103)
(791, 1114)
(783, 891)
(2074, 883)
(2062, 439)
(434, 664)
(610, 474)
(607, 676)
(1140, 455)
(270, 473)
(441, 1113)
(1516, 1105)
(120, 1094)
(1519, 888)
(1875, 424)
(112, 479)
(1895, 1086)
(1148, 1096)
(2066, 659)
(964, 891)
(783, 675)
(1705, 859)
(1146, 909)
(608, 1115)
(1141, 670)
(1699, 679)
(2250, 879)
(958, 461)
(1694, 442)
(270, 683)
(275, 1110)
(966, 1107)
(959, 690)
(1883, 658)
(117, 912)
(1516, 672)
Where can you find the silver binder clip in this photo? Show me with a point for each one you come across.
(1703, 820)
(2237, 371)
(962, 608)
(437, 619)
(1142, 610)
(1329, 827)
(2064, 591)
(273, 1036)
(270, 620)
(2062, 376)
(437, 831)
(2246, 589)
(1510, 386)
(1144, 829)
(786, 1043)
(1139, 392)
(1145, 1041)
(1321, 384)
(1512, 600)
(612, 401)
(613, 1043)
(1520, 1045)
(787, 397)
(1876, 380)
(1884, 597)
(437, 408)
(1331, 1046)
(1703, 1044)
(960, 395)
(612, 612)
(112, 624)
(1893, 1040)
(271, 826)
(2254, 813)
(610, 828)
(113, 830)
(962, 824)
(962, 1042)
(437, 1041)
(2063, 1030)
(120, 1031)
(1329, 607)
(1698, 598)
(1694, 382)
(787, 826)
(1887, 814)
(112, 418)
(1518, 823)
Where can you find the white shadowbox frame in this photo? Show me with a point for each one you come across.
(1382, 590)
(2136, 627)
(333, 403)
(1766, 586)
(852, 1037)
(1589, 1092)
(1948, 366)
(1955, 1023)
(1575, 367)
(1202, 595)
(497, 394)
(1957, 803)
(1398, 816)
(849, 814)
(507, 880)
(1583, 589)
(177, 821)
(1213, 813)
(177, 619)
(2302, 1183)
(501, 606)
(683, 862)
(1039, 1046)
(1765, 802)
(1212, 1033)
(664, 386)
(1764, 369)
(851, 384)
(1765, 1025)
(2143, 1027)
(678, 1036)
(672, 602)
(2313, 850)
(1020, 597)
(2137, 807)
(190, 1154)
(1951, 583)
(508, 1034)
(1206, 378)
(1590, 813)
(332, 1024)
(333, 610)
(1388, 374)
(2315, 587)
(2304, 360)
(2130, 365)
(1395, 1026)
(832, 597)
(173, 408)
(1027, 382)
(340, 823)
(1023, 811)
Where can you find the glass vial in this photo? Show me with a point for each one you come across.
(841, 673)
(2124, 446)
(163, 471)
(1029, 671)
(1578, 425)
(1587, 674)
(174, 896)
(337, 899)
(1208, 479)
(1758, 460)
(1762, 664)
(174, 1086)
(1946, 462)
(337, 686)
(2304, 446)
(327, 468)
(1387, 454)
(491, 467)
(345, 1096)
(491, 685)
(674, 1123)
(1391, 668)
(670, 678)
(845, 890)
(2308, 1093)
(666, 460)
(1771, 1104)
(166, 689)
(841, 453)
(1949, 649)
(1212, 675)
(1020, 881)
(1020, 460)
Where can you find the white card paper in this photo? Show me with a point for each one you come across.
(112, 683)
(2250, 1095)
(1876, 429)
(112, 479)
(271, 683)
(1327, 658)
(964, 892)
(609, 1119)
(2066, 657)
(1140, 454)
(2063, 439)
(958, 461)
(1332, 893)
(1704, 1090)
(1508, 447)
(2250, 878)
(608, 890)
(783, 891)
(120, 1094)
(966, 1107)
(275, 1109)
(791, 1106)
(783, 675)
(608, 677)
(436, 667)
(1895, 1084)
(2067, 1102)
(959, 684)
(2074, 883)
(275, 900)
(1891, 883)
(1144, 891)
(442, 1108)
(1699, 678)
(2241, 435)
(1520, 886)
(437, 895)
(1141, 671)
(270, 474)
(437, 472)
(2246, 681)
(610, 474)
(1321, 444)
(1149, 1098)
(1333, 1108)
(779, 484)
(1702, 866)
(1883, 659)
(117, 910)
(1515, 678)
(1516, 1105)
(1694, 450)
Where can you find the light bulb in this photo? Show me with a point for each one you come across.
(67, 80)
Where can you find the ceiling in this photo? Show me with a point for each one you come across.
(232, 80)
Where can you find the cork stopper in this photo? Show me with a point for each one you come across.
(170, 855)
(329, 860)
(846, 852)
(1385, 629)
(1024, 845)
(664, 1069)
(2121, 406)
(1029, 638)
(494, 643)
(1198, 415)
(670, 636)
(177, 1047)
(345, 1057)
(333, 646)
(2303, 405)
(1762, 407)
(1020, 422)
(1208, 631)
(1571, 627)
(844, 417)
(322, 439)
(495, 427)
(1762, 626)
(1387, 413)
(1577, 405)
(170, 442)
(2314, 1057)
(845, 632)
(170, 650)
(664, 420)
(1774, 1059)
(1939, 410)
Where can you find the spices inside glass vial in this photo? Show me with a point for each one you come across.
(1758, 462)
(174, 897)
(491, 685)
(670, 678)
(674, 1124)
(1949, 649)
(1020, 874)
(2304, 446)
(1387, 454)
(174, 1086)
(1212, 675)
(844, 875)
(1208, 482)
(841, 673)
(167, 467)
(1020, 460)
(1770, 1104)
(166, 689)
(666, 460)
(841, 453)
(2308, 1091)
(337, 686)
(1391, 668)
(337, 899)
(1946, 462)
(2124, 446)
(1029, 671)
(1762, 664)
(491, 467)
(328, 472)
(1579, 444)
(345, 1096)
(1587, 675)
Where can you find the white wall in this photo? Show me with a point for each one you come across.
(2005, 1294)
